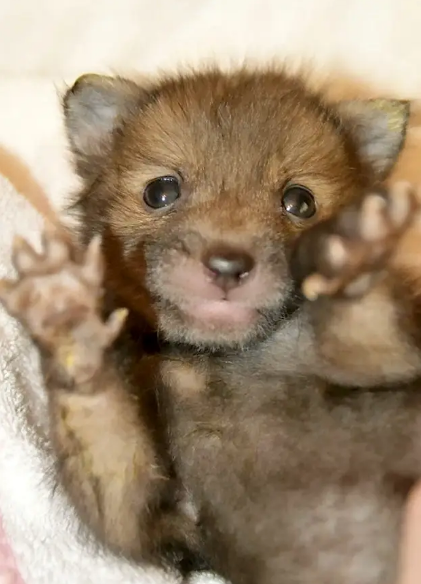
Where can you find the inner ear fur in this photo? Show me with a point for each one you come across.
(94, 108)
(378, 128)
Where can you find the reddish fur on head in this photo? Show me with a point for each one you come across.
(234, 143)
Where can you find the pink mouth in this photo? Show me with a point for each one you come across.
(221, 313)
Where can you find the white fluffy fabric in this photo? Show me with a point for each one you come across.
(46, 42)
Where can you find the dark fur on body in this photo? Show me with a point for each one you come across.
(294, 428)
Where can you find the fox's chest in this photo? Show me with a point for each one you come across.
(313, 483)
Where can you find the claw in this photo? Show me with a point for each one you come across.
(317, 285)
(93, 265)
(66, 356)
(115, 323)
(19, 241)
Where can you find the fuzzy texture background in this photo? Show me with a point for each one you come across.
(47, 43)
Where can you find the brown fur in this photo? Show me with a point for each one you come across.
(295, 433)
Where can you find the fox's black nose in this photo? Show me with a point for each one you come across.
(228, 266)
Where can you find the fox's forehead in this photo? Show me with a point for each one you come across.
(229, 130)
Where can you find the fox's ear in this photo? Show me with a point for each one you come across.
(94, 107)
(378, 127)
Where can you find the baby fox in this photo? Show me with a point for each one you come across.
(240, 217)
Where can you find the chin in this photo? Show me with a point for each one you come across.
(216, 325)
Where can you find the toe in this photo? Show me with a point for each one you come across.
(93, 266)
(373, 221)
(115, 323)
(24, 257)
(336, 252)
(56, 252)
(402, 203)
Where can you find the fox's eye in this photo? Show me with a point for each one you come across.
(299, 201)
(161, 192)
